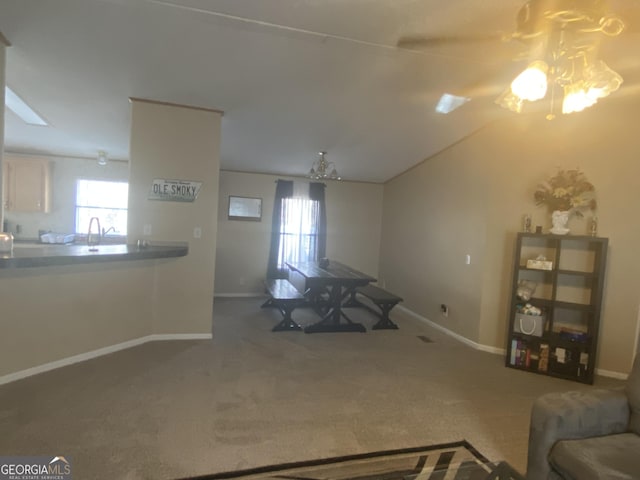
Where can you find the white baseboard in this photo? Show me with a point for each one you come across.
(239, 295)
(160, 337)
(487, 348)
(611, 374)
(457, 336)
(82, 357)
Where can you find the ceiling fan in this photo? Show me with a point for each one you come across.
(537, 18)
(562, 39)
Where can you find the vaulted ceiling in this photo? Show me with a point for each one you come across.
(293, 77)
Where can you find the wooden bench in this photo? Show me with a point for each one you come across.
(384, 300)
(285, 297)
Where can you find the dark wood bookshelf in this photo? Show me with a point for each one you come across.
(570, 297)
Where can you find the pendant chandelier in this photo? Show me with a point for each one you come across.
(564, 64)
(102, 158)
(321, 169)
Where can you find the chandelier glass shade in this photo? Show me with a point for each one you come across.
(102, 158)
(322, 169)
(531, 84)
(564, 65)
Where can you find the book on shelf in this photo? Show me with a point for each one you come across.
(522, 354)
(573, 335)
(584, 360)
(543, 362)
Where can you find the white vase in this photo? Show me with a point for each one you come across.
(559, 220)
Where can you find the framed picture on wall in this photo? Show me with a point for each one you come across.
(245, 208)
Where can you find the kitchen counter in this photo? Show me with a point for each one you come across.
(44, 255)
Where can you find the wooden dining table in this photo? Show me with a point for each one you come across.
(327, 287)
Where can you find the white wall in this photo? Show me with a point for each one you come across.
(353, 229)
(177, 143)
(52, 313)
(3, 65)
(64, 174)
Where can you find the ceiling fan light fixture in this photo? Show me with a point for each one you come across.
(563, 39)
(531, 84)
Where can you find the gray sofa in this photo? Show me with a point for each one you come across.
(591, 435)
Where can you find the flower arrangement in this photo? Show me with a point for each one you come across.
(567, 190)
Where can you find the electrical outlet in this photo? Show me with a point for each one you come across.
(146, 229)
(197, 232)
(444, 309)
(242, 281)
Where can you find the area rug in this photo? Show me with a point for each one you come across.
(454, 461)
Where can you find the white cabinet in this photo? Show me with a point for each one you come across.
(26, 184)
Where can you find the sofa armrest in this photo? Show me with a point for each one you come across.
(571, 415)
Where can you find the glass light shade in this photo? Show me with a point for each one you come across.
(601, 80)
(576, 98)
(531, 84)
(598, 82)
(102, 158)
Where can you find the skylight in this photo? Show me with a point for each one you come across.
(448, 103)
(20, 108)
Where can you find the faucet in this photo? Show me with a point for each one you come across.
(104, 232)
(93, 239)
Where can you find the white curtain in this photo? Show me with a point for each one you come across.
(299, 230)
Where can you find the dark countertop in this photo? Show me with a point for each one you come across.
(44, 255)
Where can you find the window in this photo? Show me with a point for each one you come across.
(298, 227)
(298, 231)
(103, 199)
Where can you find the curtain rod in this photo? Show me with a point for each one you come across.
(303, 181)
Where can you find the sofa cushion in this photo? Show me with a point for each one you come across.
(632, 389)
(612, 457)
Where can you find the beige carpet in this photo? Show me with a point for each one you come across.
(252, 397)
